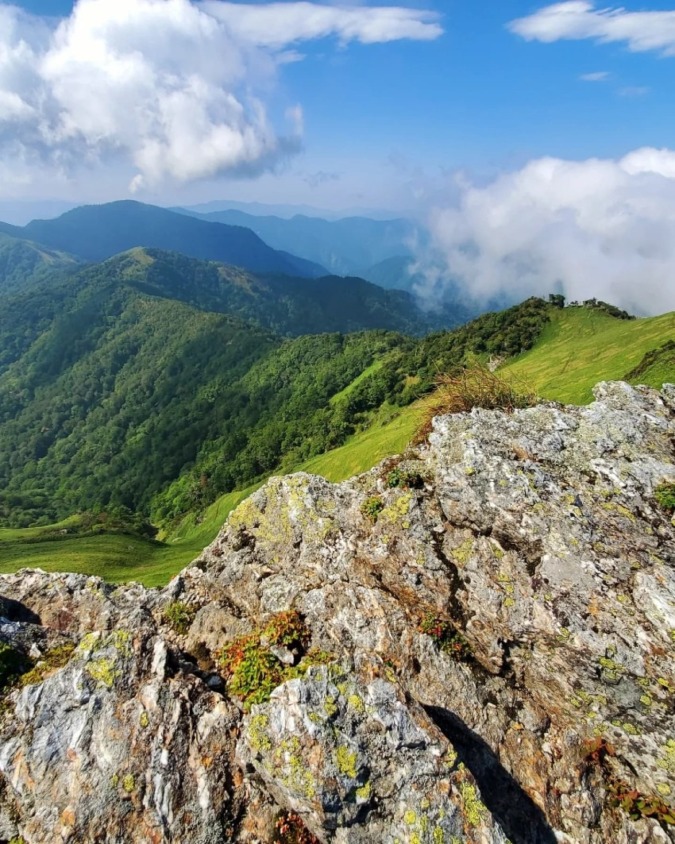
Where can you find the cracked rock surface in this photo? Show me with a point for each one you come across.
(486, 656)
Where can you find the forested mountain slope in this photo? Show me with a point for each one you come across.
(285, 304)
(103, 402)
(22, 263)
(109, 385)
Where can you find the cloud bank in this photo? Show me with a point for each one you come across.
(179, 89)
(578, 19)
(595, 228)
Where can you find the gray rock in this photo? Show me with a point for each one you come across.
(538, 562)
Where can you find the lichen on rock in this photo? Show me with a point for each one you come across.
(495, 655)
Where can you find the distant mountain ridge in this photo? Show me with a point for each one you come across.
(347, 246)
(97, 232)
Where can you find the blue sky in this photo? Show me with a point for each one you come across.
(533, 140)
(479, 98)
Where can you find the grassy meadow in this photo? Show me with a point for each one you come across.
(580, 347)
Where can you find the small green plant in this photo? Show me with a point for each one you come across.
(447, 638)
(597, 752)
(253, 671)
(180, 616)
(289, 829)
(372, 507)
(637, 805)
(287, 629)
(665, 496)
(405, 479)
(12, 665)
(53, 660)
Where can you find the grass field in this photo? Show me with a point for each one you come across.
(579, 348)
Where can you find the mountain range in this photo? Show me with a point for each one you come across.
(156, 381)
(96, 232)
(348, 246)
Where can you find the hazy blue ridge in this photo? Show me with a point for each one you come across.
(97, 232)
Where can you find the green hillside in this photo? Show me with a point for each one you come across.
(104, 404)
(582, 346)
(360, 388)
(23, 263)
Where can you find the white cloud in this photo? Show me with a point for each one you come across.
(633, 91)
(178, 89)
(598, 76)
(595, 228)
(578, 19)
(279, 24)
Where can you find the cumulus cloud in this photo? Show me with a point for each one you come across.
(595, 228)
(179, 89)
(579, 19)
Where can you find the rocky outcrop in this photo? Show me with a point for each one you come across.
(470, 644)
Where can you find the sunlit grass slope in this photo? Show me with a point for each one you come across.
(123, 558)
(581, 347)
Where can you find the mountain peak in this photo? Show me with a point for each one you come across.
(97, 232)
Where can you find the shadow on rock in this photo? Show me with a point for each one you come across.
(520, 818)
(14, 611)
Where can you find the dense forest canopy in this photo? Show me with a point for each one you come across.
(105, 403)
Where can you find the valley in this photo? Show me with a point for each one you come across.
(125, 443)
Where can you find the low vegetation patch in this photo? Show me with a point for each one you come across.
(180, 616)
(54, 659)
(462, 391)
(446, 637)
(665, 496)
(252, 666)
(289, 829)
(598, 753)
(465, 389)
(405, 479)
(372, 507)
